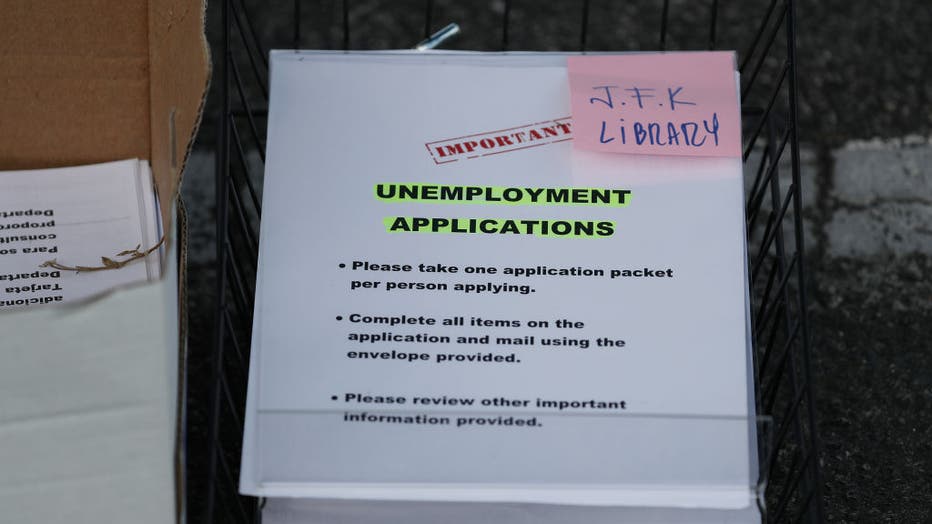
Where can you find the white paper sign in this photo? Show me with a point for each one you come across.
(452, 304)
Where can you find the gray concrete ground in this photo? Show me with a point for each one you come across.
(871, 254)
(866, 84)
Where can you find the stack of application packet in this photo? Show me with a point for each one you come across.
(461, 317)
(70, 233)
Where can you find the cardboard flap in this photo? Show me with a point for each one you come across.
(179, 69)
(101, 80)
(75, 80)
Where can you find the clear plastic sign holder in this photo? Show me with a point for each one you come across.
(713, 462)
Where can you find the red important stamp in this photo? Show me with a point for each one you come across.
(500, 141)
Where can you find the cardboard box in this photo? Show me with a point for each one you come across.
(91, 395)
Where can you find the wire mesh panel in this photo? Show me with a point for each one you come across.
(763, 32)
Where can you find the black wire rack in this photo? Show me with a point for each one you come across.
(764, 34)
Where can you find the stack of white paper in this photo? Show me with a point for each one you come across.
(455, 306)
(70, 233)
(88, 393)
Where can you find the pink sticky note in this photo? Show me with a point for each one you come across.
(683, 104)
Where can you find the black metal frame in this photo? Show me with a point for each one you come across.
(777, 268)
